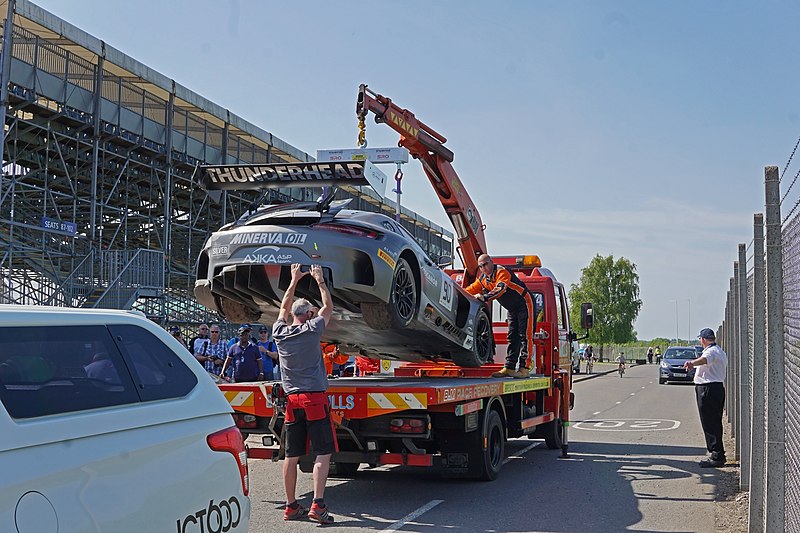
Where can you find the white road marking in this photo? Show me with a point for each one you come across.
(633, 394)
(412, 516)
(522, 452)
(619, 403)
(650, 382)
(597, 413)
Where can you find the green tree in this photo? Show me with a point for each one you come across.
(613, 289)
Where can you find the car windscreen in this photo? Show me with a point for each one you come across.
(680, 353)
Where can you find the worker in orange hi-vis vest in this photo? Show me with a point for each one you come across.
(331, 355)
(495, 282)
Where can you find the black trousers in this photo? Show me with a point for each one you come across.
(520, 337)
(710, 403)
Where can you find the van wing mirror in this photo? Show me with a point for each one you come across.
(587, 316)
(444, 261)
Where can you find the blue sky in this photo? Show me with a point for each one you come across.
(630, 128)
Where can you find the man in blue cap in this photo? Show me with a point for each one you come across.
(709, 379)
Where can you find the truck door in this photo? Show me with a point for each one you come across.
(564, 344)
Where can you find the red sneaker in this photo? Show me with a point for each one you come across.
(320, 514)
(295, 514)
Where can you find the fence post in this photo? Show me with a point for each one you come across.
(757, 450)
(727, 346)
(737, 357)
(776, 415)
(744, 371)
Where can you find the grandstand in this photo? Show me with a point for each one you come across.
(99, 205)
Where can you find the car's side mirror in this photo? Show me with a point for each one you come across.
(444, 261)
(587, 317)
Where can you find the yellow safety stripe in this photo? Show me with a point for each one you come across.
(391, 401)
(239, 398)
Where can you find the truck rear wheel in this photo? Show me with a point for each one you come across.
(553, 434)
(490, 458)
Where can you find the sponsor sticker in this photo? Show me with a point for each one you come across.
(386, 258)
(430, 278)
(446, 297)
(217, 517)
(219, 250)
(269, 238)
(269, 255)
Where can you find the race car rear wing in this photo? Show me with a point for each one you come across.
(280, 175)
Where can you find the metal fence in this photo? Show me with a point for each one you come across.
(761, 334)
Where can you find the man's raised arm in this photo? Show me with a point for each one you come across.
(288, 297)
(327, 302)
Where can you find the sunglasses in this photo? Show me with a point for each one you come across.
(483, 264)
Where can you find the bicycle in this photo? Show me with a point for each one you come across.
(589, 365)
(621, 369)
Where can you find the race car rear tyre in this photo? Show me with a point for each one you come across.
(401, 308)
(482, 347)
(237, 312)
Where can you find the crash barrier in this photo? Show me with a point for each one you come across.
(761, 334)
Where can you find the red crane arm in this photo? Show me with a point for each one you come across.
(425, 144)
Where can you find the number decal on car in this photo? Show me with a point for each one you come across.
(446, 296)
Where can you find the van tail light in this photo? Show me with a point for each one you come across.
(350, 230)
(230, 440)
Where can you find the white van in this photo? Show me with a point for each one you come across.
(108, 424)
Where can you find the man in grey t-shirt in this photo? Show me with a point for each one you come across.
(297, 334)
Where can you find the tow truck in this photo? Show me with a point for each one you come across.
(434, 414)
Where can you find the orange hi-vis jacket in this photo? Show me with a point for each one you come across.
(331, 356)
(502, 285)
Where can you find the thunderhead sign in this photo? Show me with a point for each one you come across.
(279, 175)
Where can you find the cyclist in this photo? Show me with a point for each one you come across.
(621, 360)
(588, 354)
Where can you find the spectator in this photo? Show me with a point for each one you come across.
(245, 358)
(215, 351)
(304, 380)
(588, 354)
(657, 353)
(650, 355)
(175, 331)
(332, 356)
(196, 344)
(269, 352)
(709, 388)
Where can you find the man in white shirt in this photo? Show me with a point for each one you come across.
(709, 379)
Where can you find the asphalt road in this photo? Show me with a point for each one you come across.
(634, 448)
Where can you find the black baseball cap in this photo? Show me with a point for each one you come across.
(706, 333)
(174, 330)
(244, 329)
(263, 329)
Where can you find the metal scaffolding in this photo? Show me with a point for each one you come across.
(99, 205)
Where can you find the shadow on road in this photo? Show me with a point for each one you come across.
(592, 491)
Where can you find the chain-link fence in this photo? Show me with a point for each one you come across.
(761, 334)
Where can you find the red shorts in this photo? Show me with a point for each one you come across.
(308, 419)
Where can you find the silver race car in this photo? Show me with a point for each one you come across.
(391, 300)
